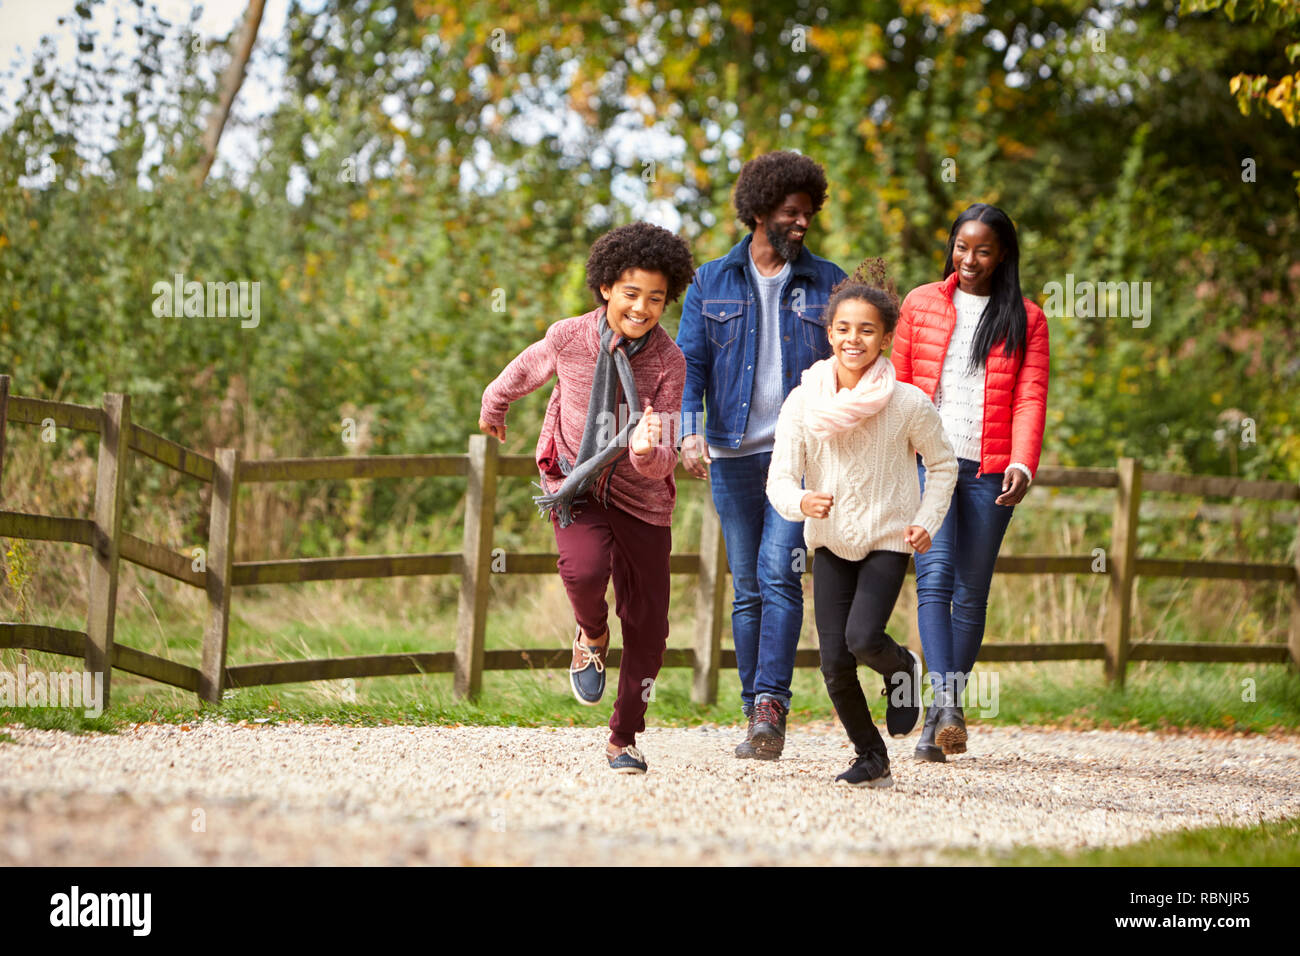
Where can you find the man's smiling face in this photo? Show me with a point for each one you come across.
(787, 225)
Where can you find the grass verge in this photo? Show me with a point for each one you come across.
(1275, 843)
(1219, 698)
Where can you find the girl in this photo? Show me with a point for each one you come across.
(845, 441)
(978, 349)
(608, 486)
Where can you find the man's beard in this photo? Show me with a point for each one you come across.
(787, 249)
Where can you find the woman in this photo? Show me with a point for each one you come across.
(979, 350)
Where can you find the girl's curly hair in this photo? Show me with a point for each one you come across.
(871, 283)
(640, 245)
(766, 180)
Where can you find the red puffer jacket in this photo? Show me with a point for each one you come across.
(1015, 387)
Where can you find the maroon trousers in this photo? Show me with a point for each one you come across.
(604, 540)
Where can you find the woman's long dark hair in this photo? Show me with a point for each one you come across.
(1004, 318)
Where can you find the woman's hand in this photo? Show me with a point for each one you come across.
(816, 504)
(695, 456)
(918, 538)
(645, 437)
(496, 431)
(1014, 487)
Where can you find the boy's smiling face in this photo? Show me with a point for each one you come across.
(636, 302)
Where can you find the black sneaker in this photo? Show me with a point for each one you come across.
(745, 749)
(587, 671)
(625, 759)
(867, 770)
(768, 735)
(902, 695)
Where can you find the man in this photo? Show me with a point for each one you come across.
(751, 323)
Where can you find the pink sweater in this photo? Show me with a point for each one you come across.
(643, 487)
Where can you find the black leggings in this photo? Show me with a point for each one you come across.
(852, 603)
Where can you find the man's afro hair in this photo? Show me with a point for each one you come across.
(640, 245)
(766, 180)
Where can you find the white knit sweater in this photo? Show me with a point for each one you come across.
(959, 396)
(870, 469)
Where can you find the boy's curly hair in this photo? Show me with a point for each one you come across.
(766, 180)
(640, 245)
(871, 283)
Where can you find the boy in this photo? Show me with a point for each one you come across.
(606, 455)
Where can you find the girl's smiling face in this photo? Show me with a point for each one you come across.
(635, 303)
(976, 254)
(858, 336)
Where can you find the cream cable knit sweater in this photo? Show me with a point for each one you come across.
(870, 469)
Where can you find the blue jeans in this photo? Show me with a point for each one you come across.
(953, 577)
(763, 550)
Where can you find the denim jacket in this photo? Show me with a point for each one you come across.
(718, 335)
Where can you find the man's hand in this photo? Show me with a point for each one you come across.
(1014, 487)
(918, 538)
(496, 431)
(695, 456)
(645, 437)
(816, 504)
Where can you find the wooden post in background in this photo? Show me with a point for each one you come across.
(476, 577)
(1293, 636)
(110, 494)
(220, 561)
(4, 420)
(710, 605)
(911, 609)
(1122, 557)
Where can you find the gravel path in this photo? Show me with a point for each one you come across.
(221, 793)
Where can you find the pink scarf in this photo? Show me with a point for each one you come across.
(829, 409)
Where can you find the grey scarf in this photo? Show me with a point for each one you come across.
(594, 465)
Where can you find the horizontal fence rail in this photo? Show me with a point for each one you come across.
(482, 468)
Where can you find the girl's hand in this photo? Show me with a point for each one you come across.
(816, 504)
(918, 538)
(496, 431)
(1014, 487)
(646, 435)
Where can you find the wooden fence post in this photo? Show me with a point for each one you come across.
(911, 609)
(1293, 637)
(1122, 557)
(220, 561)
(709, 606)
(476, 577)
(110, 495)
(4, 420)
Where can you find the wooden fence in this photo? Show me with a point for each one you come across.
(482, 468)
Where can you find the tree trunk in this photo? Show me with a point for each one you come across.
(230, 83)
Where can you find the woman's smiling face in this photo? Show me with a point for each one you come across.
(976, 254)
(858, 336)
(636, 302)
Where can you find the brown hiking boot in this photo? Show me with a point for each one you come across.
(768, 735)
(745, 749)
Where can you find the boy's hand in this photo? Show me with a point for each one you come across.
(918, 538)
(646, 435)
(816, 504)
(496, 431)
(695, 456)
